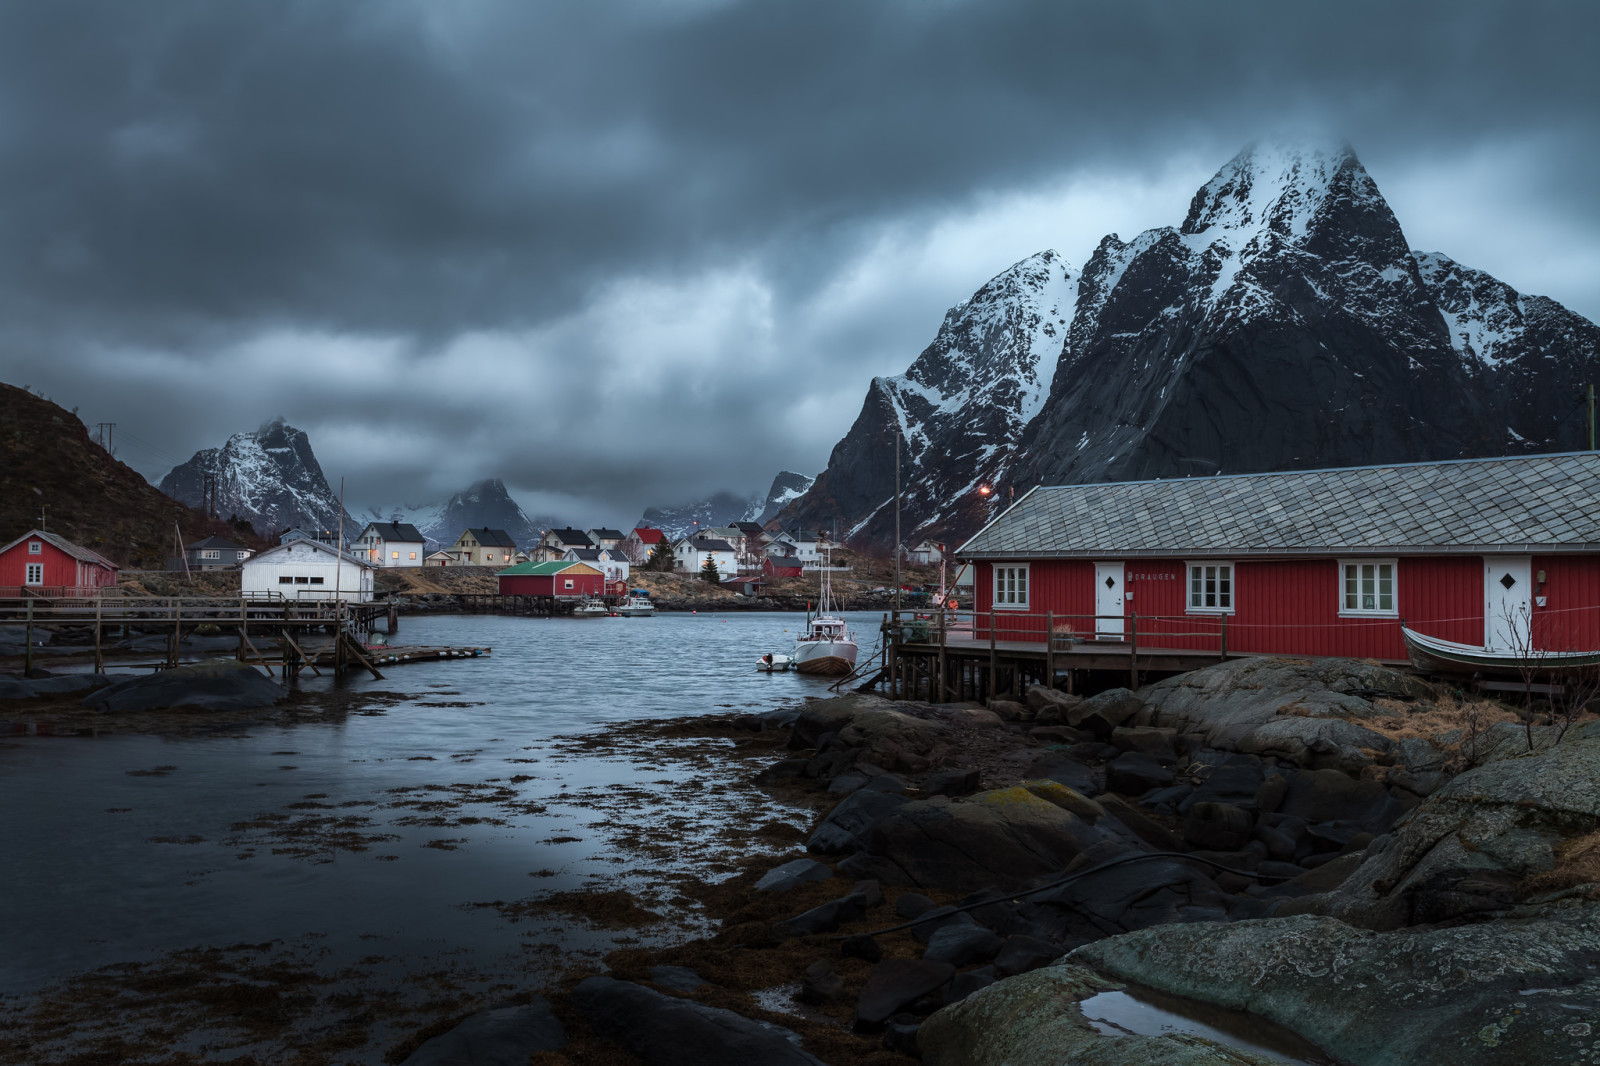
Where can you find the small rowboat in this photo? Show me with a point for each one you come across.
(1435, 656)
(771, 663)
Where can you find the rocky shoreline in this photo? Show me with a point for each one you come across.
(1378, 869)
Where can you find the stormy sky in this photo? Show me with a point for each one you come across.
(630, 253)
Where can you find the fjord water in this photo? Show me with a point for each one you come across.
(118, 848)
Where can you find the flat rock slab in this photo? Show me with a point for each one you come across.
(503, 1036)
(61, 685)
(792, 875)
(897, 983)
(213, 686)
(661, 1030)
(1509, 991)
(1034, 1020)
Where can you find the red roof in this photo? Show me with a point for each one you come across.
(647, 535)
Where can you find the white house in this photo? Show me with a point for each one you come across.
(800, 543)
(690, 555)
(612, 563)
(390, 544)
(924, 554)
(306, 570)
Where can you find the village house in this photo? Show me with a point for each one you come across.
(1495, 553)
(560, 578)
(690, 555)
(306, 569)
(443, 557)
(484, 547)
(639, 543)
(803, 544)
(214, 553)
(776, 567)
(555, 543)
(612, 563)
(390, 544)
(608, 539)
(47, 564)
(925, 553)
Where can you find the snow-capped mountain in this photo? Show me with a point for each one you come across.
(725, 508)
(483, 503)
(1286, 323)
(270, 478)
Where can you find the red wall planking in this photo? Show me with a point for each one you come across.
(60, 569)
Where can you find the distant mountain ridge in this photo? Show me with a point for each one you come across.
(725, 508)
(1285, 324)
(483, 503)
(270, 478)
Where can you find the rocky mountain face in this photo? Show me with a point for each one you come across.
(269, 478)
(1285, 324)
(50, 465)
(724, 508)
(483, 503)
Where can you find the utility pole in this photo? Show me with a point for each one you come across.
(103, 432)
(1594, 445)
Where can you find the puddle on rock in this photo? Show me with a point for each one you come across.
(1145, 1012)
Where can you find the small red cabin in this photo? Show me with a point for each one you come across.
(1494, 553)
(561, 579)
(45, 564)
(779, 566)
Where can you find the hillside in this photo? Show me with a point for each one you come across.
(48, 462)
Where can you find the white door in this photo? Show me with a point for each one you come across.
(1507, 602)
(1108, 599)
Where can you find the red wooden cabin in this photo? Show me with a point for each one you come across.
(46, 564)
(560, 578)
(774, 567)
(1486, 552)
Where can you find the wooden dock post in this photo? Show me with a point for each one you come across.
(99, 657)
(1133, 651)
(1050, 650)
(394, 617)
(994, 663)
(1224, 653)
(27, 651)
(177, 629)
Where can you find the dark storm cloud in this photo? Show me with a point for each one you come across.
(188, 178)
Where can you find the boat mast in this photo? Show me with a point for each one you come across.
(897, 443)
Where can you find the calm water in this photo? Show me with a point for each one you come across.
(110, 858)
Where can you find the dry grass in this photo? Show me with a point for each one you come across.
(1577, 863)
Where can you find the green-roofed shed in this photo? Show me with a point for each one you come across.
(560, 579)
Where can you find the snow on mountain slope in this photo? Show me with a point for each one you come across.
(483, 503)
(270, 478)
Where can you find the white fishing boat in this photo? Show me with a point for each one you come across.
(637, 605)
(826, 645)
(773, 663)
(589, 607)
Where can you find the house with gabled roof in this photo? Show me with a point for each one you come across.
(563, 579)
(1489, 553)
(604, 538)
(215, 553)
(555, 543)
(690, 555)
(306, 569)
(391, 544)
(47, 564)
(640, 542)
(484, 547)
(612, 563)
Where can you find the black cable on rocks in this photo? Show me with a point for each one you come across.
(1013, 897)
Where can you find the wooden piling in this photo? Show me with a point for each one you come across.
(27, 652)
(99, 657)
(1133, 651)
(1050, 650)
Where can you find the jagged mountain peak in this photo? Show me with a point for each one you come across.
(269, 477)
(1276, 184)
(483, 503)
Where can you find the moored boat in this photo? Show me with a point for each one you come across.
(589, 607)
(637, 605)
(1437, 656)
(826, 645)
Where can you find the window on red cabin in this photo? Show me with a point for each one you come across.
(1211, 587)
(35, 547)
(1011, 586)
(35, 574)
(1367, 586)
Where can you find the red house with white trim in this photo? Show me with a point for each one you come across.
(560, 578)
(47, 565)
(1321, 562)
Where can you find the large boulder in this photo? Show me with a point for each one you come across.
(1001, 837)
(502, 1036)
(1461, 850)
(662, 1030)
(1036, 1020)
(1233, 700)
(846, 827)
(1103, 713)
(1515, 992)
(821, 717)
(59, 685)
(220, 685)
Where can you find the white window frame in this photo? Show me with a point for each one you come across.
(35, 547)
(210, 553)
(1393, 611)
(1232, 593)
(1006, 599)
(34, 575)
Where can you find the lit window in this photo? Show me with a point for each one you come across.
(35, 547)
(413, 555)
(396, 555)
(1211, 587)
(1367, 586)
(35, 574)
(1011, 586)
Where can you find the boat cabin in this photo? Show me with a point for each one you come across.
(1490, 553)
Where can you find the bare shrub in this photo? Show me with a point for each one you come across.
(1577, 863)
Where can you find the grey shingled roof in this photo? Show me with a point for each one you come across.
(1521, 503)
(397, 532)
(77, 551)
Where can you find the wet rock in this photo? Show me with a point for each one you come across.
(212, 686)
(1511, 992)
(1051, 707)
(1010, 710)
(1035, 1020)
(962, 945)
(846, 827)
(1019, 954)
(1068, 770)
(821, 717)
(662, 1030)
(1225, 778)
(1000, 837)
(939, 918)
(861, 947)
(895, 984)
(1316, 742)
(952, 782)
(868, 777)
(502, 1036)
(963, 985)
(831, 915)
(1136, 894)
(913, 904)
(676, 978)
(1068, 799)
(793, 875)
(1217, 826)
(1273, 791)
(822, 984)
(782, 770)
(1133, 773)
(1105, 712)
(55, 685)
(1155, 741)
(1331, 796)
